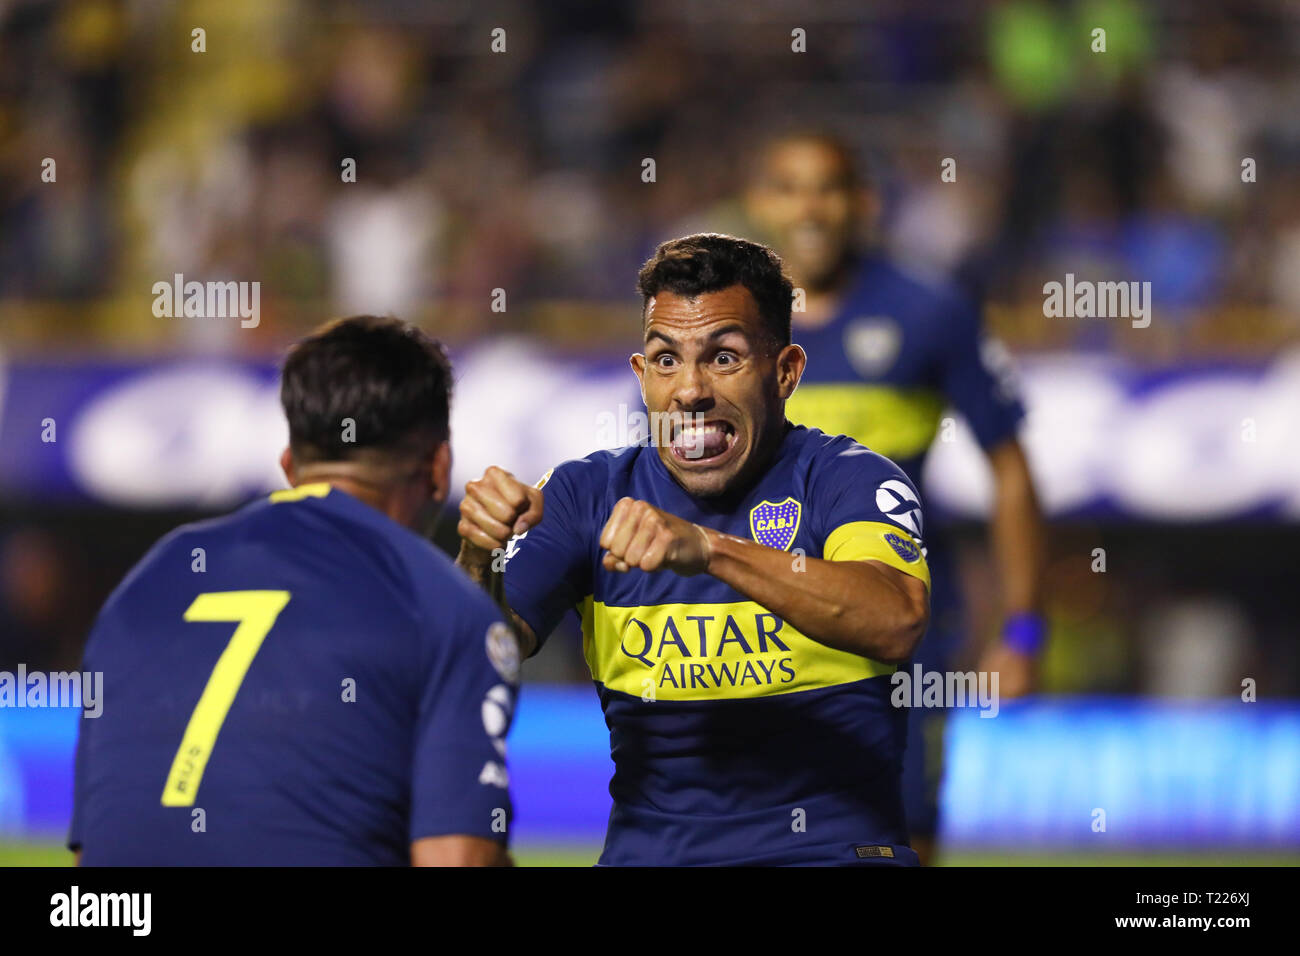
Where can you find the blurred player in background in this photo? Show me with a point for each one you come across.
(886, 354)
(745, 586)
(307, 681)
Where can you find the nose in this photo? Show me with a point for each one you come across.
(694, 391)
(806, 205)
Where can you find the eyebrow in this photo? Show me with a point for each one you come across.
(715, 334)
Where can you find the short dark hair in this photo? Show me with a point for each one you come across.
(709, 262)
(391, 379)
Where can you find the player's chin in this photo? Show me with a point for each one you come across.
(708, 482)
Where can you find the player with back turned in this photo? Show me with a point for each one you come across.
(323, 687)
(886, 353)
(745, 587)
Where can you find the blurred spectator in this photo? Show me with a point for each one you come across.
(33, 601)
(524, 169)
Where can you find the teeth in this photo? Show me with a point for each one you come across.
(707, 440)
(700, 431)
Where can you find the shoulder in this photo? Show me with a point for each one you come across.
(416, 584)
(418, 570)
(166, 571)
(176, 544)
(840, 458)
(841, 470)
(594, 474)
(445, 590)
(929, 288)
(848, 482)
(423, 584)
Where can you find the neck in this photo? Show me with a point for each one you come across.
(764, 454)
(355, 482)
(773, 441)
(822, 299)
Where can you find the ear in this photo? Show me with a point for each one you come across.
(638, 366)
(288, 467)
(440, 473)
(790, 364)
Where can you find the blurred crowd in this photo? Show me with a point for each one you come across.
(502, 145)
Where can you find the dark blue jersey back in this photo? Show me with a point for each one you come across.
(303, 682)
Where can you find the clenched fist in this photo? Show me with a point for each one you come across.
(495, 508)
(639, 535)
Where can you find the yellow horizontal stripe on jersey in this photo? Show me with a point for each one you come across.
(710, 652)
(895, 422)
(877, 541)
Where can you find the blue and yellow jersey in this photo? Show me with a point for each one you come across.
(735, 738)
(302, 682)
(894, 356)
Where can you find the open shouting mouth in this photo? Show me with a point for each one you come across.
(702, 442)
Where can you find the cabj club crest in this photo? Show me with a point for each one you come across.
(775, 524)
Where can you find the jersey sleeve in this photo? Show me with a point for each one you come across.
(868, 510)
(459, 781)
(979, 376)
(548, 567)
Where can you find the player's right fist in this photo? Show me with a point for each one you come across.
(495, 508)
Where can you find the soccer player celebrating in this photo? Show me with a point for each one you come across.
(886, 352)
(307, 681)
(745, 586)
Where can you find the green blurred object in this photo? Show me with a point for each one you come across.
(1033, 53)
(1128, 37)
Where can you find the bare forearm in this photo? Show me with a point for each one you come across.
(853, 606)
(1016, 531)
(471, 561)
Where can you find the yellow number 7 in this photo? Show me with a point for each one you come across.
(256, 612)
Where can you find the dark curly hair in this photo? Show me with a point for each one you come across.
(710, 262)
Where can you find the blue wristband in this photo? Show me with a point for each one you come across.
(1025, 632)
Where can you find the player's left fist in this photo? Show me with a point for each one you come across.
(639, 535)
